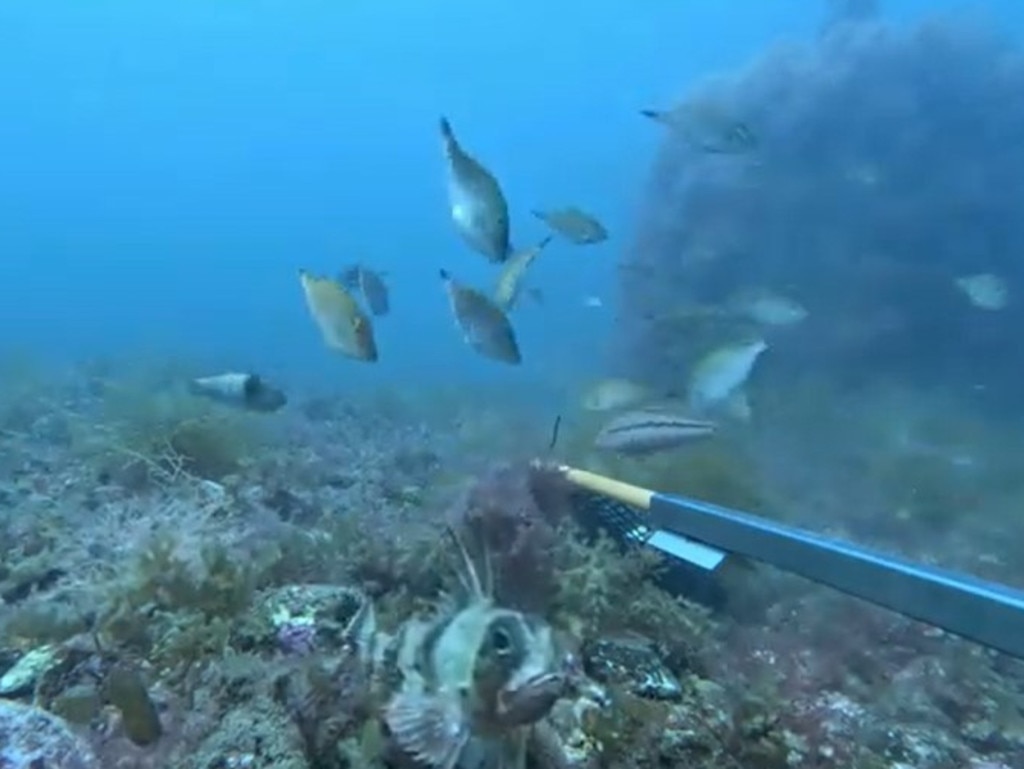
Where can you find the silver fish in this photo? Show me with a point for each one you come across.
(647, 431)
(245, 391)
(574, 225)
(476, 203)
(485, 328)
(510, 281)
(707, 128)
(371, 285)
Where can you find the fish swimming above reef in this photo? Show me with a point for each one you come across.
(342, 323)
(650, 430)
(370, 284)
(719, 377)
(707, 127)
(614, 393)
(477, 205)
(573, 224)
(466, 685)
(485, 328)
(241, 390)
(510, 281)
(767, 308)
(985, 291)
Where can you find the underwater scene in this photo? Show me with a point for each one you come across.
(511, 385)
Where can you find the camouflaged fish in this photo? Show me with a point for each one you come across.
(476, 203)
(465, 687)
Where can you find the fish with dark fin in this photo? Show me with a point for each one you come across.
(371, 285)
(241, 390)
(476, 203)
(485, 327)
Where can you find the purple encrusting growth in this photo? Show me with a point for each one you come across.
(296, 638)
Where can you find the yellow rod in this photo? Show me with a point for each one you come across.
(635, 496)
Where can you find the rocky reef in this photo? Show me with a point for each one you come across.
(162, 610)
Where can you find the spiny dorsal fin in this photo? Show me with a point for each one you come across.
(468, 575)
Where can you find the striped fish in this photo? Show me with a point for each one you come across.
(646, 431)
(472, 682)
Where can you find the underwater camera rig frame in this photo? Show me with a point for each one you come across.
(699, 537)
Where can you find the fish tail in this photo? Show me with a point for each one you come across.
(446, 129)
(445, 275)
(650, 113)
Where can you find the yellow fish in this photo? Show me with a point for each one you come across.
(510, 281)
(342, 322)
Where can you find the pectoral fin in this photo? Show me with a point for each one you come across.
(431, 729)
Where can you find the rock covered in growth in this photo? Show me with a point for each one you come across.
(631, 661)
(31, 738)
(887, 166)
(513, 510)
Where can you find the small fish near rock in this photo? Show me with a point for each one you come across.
(245, 391)
(720, 377)
(648, 431)
(476, 203)
(573, 224)
(485, 328)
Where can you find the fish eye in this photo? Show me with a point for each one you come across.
(501, 641)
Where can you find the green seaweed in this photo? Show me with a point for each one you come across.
(146, 433)
(125, 690)
(603, 588)
(179, 610)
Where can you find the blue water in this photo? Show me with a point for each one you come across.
(166, 168)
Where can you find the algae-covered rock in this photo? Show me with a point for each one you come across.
(27, 670)
(31, 738)
(633, 662)
(258, 736)
(301, 618)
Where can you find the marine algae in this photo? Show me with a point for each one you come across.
(144, 435)
(125, 689)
